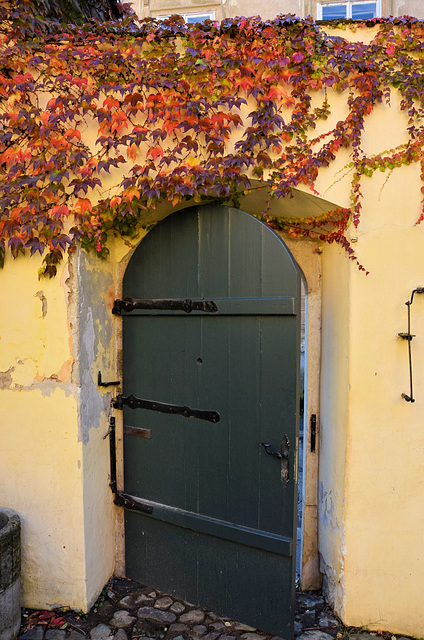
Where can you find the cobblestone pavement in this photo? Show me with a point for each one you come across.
(128, 611)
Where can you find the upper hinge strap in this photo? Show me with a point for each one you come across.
(187, 305)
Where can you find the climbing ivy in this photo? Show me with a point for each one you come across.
(189, 111)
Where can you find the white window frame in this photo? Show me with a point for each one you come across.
(348, 4)
(208, 15)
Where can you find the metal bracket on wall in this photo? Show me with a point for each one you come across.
(112, 453)
(100, 382)
(409, 336)
(313, 432)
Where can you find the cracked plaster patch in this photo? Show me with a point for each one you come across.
(95, 342)
(6, 378)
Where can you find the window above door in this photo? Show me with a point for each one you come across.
(351, 9)
(192, 18)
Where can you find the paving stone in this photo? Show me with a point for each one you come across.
(214, 616)
(218, 625)
(315, 635)
(144, 629)
(121, 619)
(76, 635)
(177, 627)
(213, 635)
(163, 603)
(298, 628)
(143, 599)
(276, 638)
(196, 616)
(200, 629)
(252, 636)
(152, 594)
(55, 634)
(226, 637)
(163, 618)
(177, 607)
(100, 632)
(180, 638)
(243, 627)
(307, 618)
(328, 620)
(36, 633)
(310, 601)
(106, 609)
(120, 635)
(131, 601)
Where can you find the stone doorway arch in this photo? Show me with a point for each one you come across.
(307, 255)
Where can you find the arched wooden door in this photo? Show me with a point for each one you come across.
(221, 524)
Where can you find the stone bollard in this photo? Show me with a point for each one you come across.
(10, 574)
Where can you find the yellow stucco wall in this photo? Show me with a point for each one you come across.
(371, 465)
(54, 464)
(384, 490)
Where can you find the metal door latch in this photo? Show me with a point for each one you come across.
(282, 455)
(313, 432)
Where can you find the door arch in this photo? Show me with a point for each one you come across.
(221, 531)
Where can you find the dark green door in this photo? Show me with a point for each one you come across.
(221, 532)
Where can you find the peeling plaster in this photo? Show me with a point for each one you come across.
(92, 402)
(326, 509)
(47, 386)
(6, 378)
(43, 299)
(95, 341)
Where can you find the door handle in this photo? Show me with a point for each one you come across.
(267, 447)
(282, 455)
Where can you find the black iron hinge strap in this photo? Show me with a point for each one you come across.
(130, 304)
(138, 403)
(125, 500)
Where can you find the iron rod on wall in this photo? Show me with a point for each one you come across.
(408, 336)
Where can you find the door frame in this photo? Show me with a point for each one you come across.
(308, 259)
